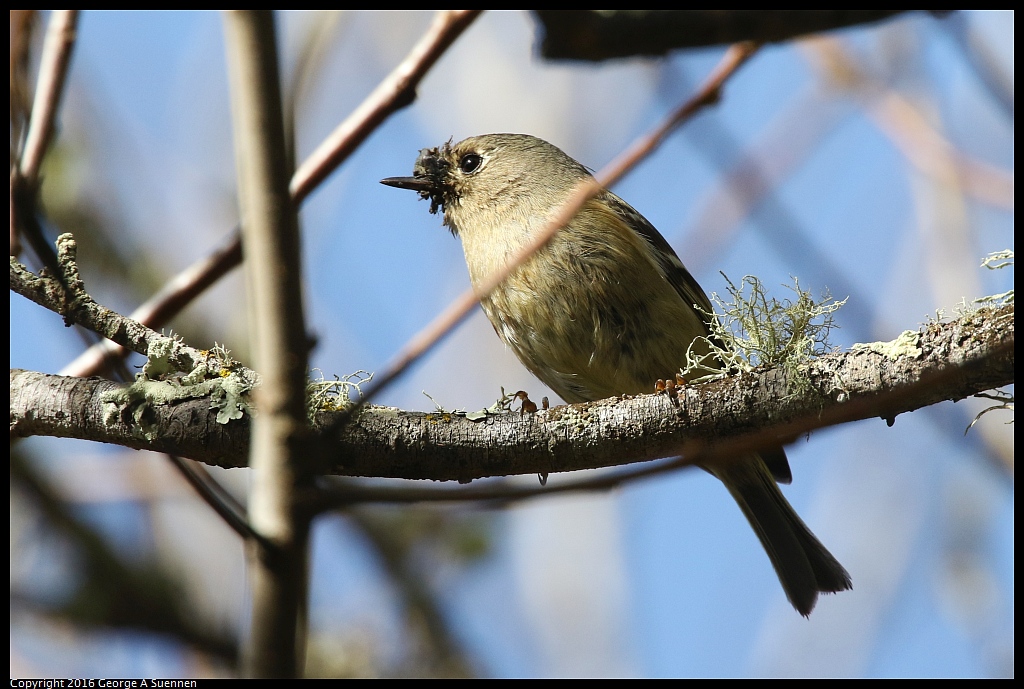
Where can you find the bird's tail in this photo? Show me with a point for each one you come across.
(803, 564)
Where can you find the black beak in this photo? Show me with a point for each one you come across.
(413, 183)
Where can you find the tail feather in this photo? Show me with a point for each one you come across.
(804, 566)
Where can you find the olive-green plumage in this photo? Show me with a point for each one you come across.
(606, 308)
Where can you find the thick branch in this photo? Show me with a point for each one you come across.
(957, 359)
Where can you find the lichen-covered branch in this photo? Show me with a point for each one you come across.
(944, 361)
(77, 307)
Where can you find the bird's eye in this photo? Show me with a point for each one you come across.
(470, 162)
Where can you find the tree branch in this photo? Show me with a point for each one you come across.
(596, 35)
(53, 69)
(280, 452)
(955, 360)
(24, 182)
(396, 91)
(76, 306)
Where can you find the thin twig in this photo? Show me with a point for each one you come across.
(221, 501)
(338, 146)
(426, 339)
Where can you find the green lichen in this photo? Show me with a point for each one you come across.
(215, 375)
(907, 344)
(752, 329)
(333, 395)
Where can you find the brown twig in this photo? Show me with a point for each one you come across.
(708, 94)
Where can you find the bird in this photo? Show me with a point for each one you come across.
(605, 308)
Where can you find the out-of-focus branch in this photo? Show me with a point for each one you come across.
(934, 155)
(221, 501)
(280, 453)
(604, 34)
(53, 68)
(908, 129)
(749, 184)
(983, 60)
(23, 28)
(113, 591)
(442, 655)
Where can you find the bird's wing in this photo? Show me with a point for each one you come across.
(671, 267)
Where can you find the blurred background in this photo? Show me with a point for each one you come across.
(875, 162)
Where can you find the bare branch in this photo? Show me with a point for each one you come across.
(957, 359)
(982, 59)
(164, 305)
(909, 129)
(24, 182)
(78, 307)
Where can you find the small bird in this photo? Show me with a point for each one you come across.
(605, 308)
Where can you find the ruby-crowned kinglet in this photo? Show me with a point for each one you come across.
(606, 308)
